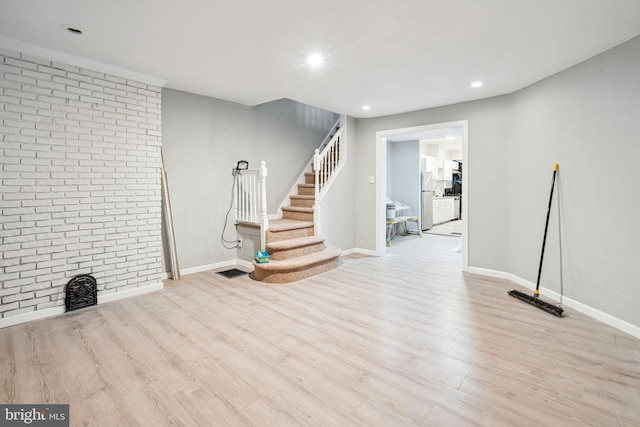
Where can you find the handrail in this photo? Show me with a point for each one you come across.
(331, 134)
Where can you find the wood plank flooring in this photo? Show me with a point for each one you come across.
(402, 340)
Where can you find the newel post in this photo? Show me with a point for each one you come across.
(316, 170)
(316, 204)
(264, 221)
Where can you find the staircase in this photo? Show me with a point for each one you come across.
(296, 252)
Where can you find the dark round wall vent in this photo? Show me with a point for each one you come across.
(81, 291)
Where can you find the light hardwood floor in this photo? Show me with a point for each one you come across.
(451, 228)
(402, 340)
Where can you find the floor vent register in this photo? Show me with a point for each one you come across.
(81, 291)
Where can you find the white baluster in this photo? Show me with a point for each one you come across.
(325, 163)
(245, 204)
(256, 202)
(243, 196)
(239, 196)
(255, 192)
(333, 158)
(235, 201)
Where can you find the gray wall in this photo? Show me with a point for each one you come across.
(338, 207)
(488, 206)
(405, 172)
(203, 138)
(585, 119)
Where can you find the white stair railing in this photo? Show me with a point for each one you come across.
(250, 201)
(326, 165)
(328, 162)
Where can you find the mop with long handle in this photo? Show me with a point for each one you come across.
(535, 300)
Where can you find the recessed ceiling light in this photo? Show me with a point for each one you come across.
(476, 84)
(366, 107)
(315, 60)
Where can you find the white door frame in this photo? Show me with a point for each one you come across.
(381, 183)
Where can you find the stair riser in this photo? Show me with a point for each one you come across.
(298, 216)
(289, 234)
(304, 191)
(311, 179)
(293, 253)
(295, 275)
(302, 203)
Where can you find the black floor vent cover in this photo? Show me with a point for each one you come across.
(234, 272)
(81, 291)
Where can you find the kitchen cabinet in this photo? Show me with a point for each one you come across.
(440, 169)
(456, 208)
(443, 209)
(433, 165)
(448, 167)
(437, 211)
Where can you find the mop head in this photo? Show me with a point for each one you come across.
(549, 308)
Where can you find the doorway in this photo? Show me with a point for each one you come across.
(417, 133)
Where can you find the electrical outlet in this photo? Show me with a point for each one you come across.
(239, 243)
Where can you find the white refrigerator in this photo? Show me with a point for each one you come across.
(426, 214)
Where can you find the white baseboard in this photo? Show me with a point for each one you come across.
(359, 251)
(245, 264)
(115, 296)
(487, 272)
(56, 311)
(30, 316)
(207, 267)
(603, 317)
(620, 324)
(216, 266)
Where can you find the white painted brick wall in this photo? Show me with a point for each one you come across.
(80, 181)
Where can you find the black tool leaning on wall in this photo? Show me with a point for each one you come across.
(232, 244)
(241, 166)
(535, 299)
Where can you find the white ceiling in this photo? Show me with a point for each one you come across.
(396, 56)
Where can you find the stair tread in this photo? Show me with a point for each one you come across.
(298, 242)
(307, 185)
(276, 225)
(297, 209)
(303, 196)
(329, 253)
(247, 224)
